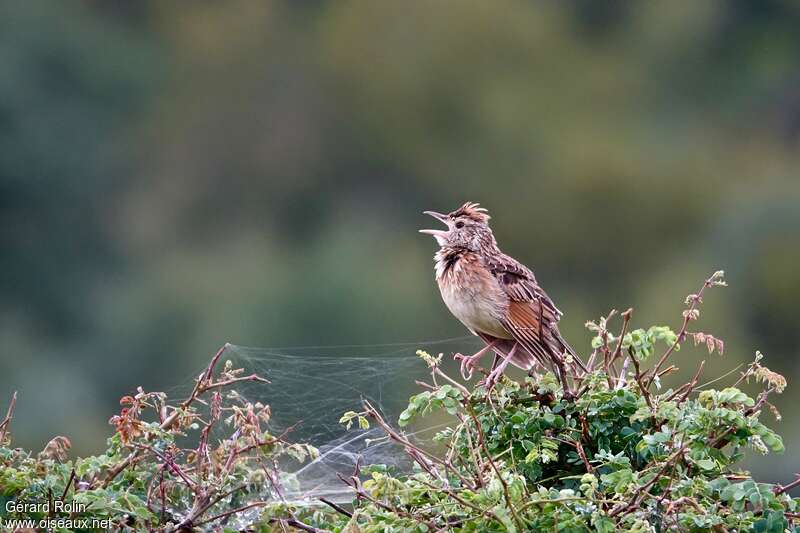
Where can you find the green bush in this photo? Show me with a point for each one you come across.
(623, 452)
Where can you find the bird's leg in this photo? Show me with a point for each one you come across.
(496, 360)
(494, 377)
(467, 362)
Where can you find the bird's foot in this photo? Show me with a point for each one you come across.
(468, 363)
(495, 375)
(493, 378)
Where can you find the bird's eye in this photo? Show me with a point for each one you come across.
(459, 224)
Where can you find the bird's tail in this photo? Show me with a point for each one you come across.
(521, 358)
(524, 359)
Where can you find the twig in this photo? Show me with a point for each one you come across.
(789, 486)
(416, 452)
(163, 493)
(582, 454)
(680, 501)
(506, 494)
(606, 354)
(290, 521)
(170, 463)
(294, 522)
(646, 487)
(337, 508)
(355, 483)
(235, 452)
(688, 316)
(626, 318)
(450, 492)
(6, 423)
(69, 483)
(218, 384)
(456, 384)
(721, 441)
(689, 387)
(590, 362)
(642, 386)
(723, 376)
(474, 455)
(202, 384)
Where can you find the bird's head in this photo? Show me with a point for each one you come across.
(467, 227)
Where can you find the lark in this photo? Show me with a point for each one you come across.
(497, 298)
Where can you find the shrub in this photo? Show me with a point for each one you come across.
(624, 451)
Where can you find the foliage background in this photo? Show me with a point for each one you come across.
(174, 177)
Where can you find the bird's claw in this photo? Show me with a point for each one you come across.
(492, 379)
(468, 363)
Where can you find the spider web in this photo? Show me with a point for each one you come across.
(312, 386)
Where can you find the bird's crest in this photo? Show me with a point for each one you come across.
(473, 211)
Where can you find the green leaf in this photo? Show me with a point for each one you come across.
(706, 464)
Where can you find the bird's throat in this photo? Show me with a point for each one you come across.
(447, 259)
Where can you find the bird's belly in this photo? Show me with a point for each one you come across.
(478, 313)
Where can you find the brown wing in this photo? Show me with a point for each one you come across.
(532, 316)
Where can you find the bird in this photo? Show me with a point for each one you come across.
(498, 299)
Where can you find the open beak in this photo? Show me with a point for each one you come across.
(444, 219)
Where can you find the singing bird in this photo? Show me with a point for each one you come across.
(497, 298)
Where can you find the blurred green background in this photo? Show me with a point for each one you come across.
(177, 175)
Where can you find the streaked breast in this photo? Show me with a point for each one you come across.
(473, 295)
